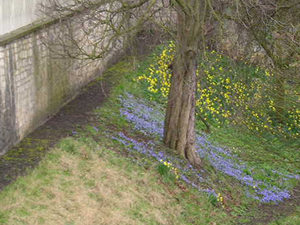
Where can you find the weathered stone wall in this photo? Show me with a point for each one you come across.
(34, 85)
(17, 13)
(238, 44)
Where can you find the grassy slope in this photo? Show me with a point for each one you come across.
(88, 180)
(83, 181)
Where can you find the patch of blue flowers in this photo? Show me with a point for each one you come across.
(148, 149)
(149, 121)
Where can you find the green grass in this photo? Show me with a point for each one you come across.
(262, 155)
(293, 219)
(249, 146)
(84, 182)
(88, 178)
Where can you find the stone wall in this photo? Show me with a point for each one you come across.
(33, 84)
(17, 13)
(238, 44)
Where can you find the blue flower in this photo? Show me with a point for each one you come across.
(149, 121)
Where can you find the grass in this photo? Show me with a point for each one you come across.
(262, 154)
(83, 182)
(293, 219)
(90, 179)
(274, 152)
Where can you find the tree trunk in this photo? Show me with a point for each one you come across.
(179, 129)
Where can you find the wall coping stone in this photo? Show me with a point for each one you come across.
(40, 24)
(25, 30)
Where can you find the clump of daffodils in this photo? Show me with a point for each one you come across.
(171, 167)
(159, 74)
(220, 199)
(227, 93)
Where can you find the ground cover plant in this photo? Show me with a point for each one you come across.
(116, 170)
(149, 121)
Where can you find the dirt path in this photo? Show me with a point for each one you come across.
(77, 113)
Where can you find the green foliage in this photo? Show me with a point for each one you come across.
(213, 200)
(163, 170)
(166, 172)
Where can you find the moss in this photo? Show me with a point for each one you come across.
(26, 151)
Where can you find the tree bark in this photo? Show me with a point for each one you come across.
(179, 129)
